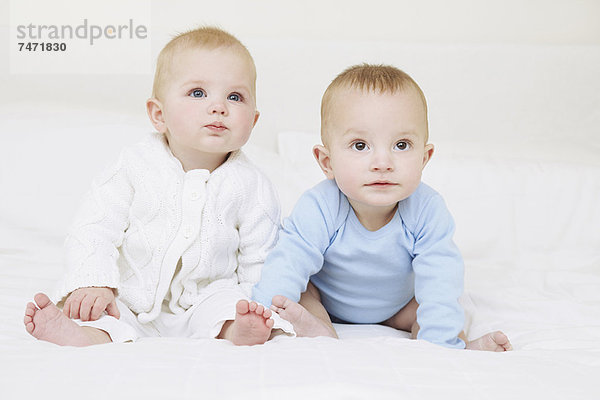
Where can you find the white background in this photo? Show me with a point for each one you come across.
(300, 46)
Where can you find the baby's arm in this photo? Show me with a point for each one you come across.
(258, 227)
(91, 247)
(298, 254)
(88, 304)
(438, 268)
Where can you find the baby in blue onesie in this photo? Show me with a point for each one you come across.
(372, 243)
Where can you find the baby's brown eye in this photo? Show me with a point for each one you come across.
(402, 145)
(360, 146)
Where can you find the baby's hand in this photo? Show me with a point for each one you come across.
(88, 304)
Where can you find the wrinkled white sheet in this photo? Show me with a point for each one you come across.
(554, 327)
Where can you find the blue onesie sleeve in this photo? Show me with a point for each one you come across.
(303, 240)
(438, 268)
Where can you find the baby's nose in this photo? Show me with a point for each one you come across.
(218, 108)
(382, 162)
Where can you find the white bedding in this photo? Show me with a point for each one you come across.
(528, 224)
(553, 326)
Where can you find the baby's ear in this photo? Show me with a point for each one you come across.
(322, 155)
(256, 115)
(155, 113)
(427, 154)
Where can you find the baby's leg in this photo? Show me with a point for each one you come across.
(406, 320)
(252, 325)
(46, 322)
(309, 317)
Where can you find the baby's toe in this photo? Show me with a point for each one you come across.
(29, 327)
(267, 313)
(242, 307)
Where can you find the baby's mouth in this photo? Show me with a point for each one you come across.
(216, 126)
(381, 184)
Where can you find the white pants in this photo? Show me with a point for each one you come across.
(202, 320)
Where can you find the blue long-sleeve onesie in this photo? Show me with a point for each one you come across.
(368, 276)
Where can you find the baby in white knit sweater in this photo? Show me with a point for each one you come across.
(171, 239)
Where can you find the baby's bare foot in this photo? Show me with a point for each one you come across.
(305, 324)
(495, 341)
(252, 324)
(46, 322)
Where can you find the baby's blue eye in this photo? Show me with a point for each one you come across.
(234, 97)
(360, 146)
(402, 145)
(197, 93)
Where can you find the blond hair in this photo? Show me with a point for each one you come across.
(207, 37)
(367, 78)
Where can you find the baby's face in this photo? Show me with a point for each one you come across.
(209, 105)
(377, 146)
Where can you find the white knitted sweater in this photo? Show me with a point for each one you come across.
(145, 213)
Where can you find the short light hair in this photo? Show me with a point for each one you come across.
(367, 78)
(207, 37)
